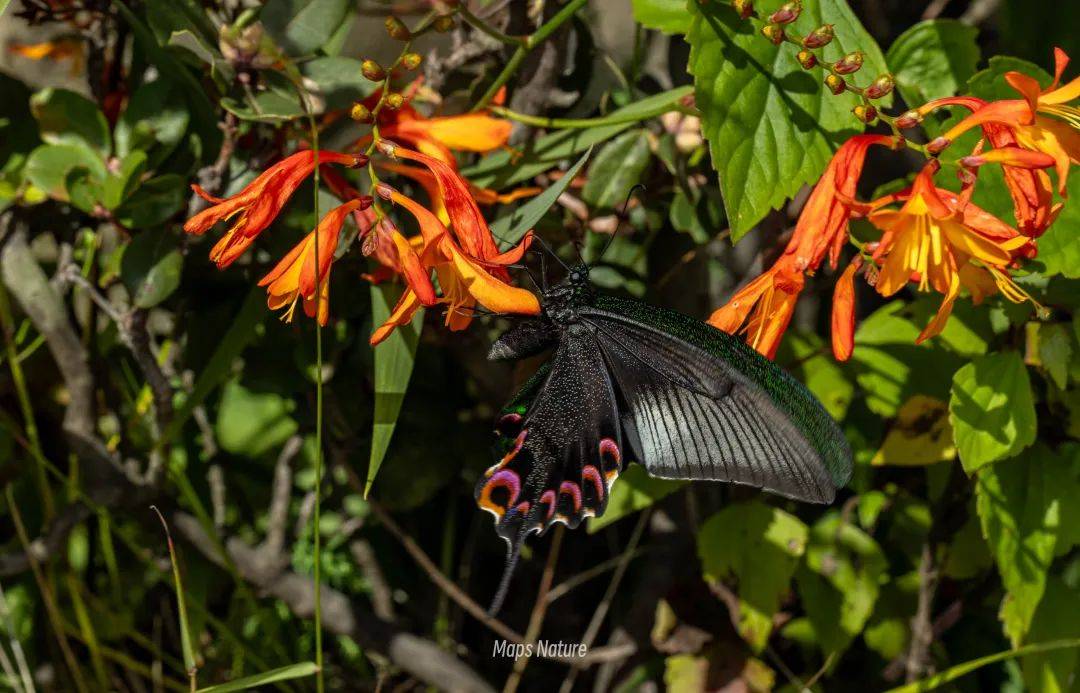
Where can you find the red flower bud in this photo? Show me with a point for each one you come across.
(806, 59)
(774, 33)
(397, 29)
(819, 37)
(938, 145)
(849, 63)
(908, 119)
(880, 87)
(372, 70)
(836, 85)
(787, 13)
(394, 101)
(865, 113)
(744, 8)
(411, 61)
(384, 190)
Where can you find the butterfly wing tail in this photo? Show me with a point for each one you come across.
(513, 553)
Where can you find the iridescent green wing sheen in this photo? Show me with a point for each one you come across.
(697, 403)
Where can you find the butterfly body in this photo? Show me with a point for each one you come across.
(629, 381)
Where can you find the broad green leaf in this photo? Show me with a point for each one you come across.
(278, 103)
(700, 215)
(1050, 345)
(759, 546)
(920, 435)
(65, 117)
(1059, 246)
(49, 165)
(509, 229)
(1052, 672)
(394, 360)
(771, 126)
(252, 423)
(1019, 502)
(668, 16)
(119, 186)
(156, 118)
(303, 26)
(241, 332)
(503, 168)
(809, 359)
(155, 201)
(299, 670)
(616, 170)
(932, 59)
(634, 490)
(150, 268)
(991, 409)
(839, 581)
(953, 673)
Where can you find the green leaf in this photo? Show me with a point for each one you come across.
(771, 126)
(839, 581)
(156, 118)
(299, 670)
(668, 16)
(278, 103)
(191, 659)
(1054, 343)
(810, 360)
(700, 215)
(618, 168)
(1051, 672)
(759, 546)
(303, 26)
(119, 186)
(991, 409)
(150, 268)
(634, 490)
(49, 165)
(1059, 246)
(1019, 502)
(509, 229)
(394, 360)
(501, 169)
(338, 80)
(65, 117)
(154, 202)
(932, 59)
(952, 673)
(252, 423)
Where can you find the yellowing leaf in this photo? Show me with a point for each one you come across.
(920, 435)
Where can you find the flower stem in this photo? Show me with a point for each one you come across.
(525, 46)
(491, 31)
(585, 123)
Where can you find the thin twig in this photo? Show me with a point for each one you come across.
(564, 587)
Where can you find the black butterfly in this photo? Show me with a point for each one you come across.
(629, 381)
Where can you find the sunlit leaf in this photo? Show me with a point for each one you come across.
(919, 435)
(991, 409)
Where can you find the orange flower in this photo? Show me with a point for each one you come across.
(933, 236)
(66, 48)
(465, 279)
(823, 224)
(258, 204)
(300, 275)
(1043, 120)
(843, 312)
(765, 305)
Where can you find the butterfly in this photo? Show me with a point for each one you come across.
(629, 381)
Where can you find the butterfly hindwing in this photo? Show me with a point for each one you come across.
(700, 404)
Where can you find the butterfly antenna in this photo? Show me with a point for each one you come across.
(512, 555)
(622, 218)
(545, 246)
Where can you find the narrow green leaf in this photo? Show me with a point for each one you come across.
(1019, 502)
(991, 409)
(186, 644)
(394, 360)
(238, 336)
(617, 169)
(759, 546)
(953, 673)
(509, 229)
(293, 671)
(932, 59)
(771, 126)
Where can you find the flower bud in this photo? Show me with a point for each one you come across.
(360, 113)
(443, 24)
(411, 61)
(372, 70)
(366, 201)
(908, 119)
(806, 59)
(397, 29)
(359, 160)
(938, 145)
(774, 33)
(394, 101)
(836, 85)
(744, 8)
(787, 13)
(387, 147)
(882, 86)
(384, 190)
(819, 37)
(849, 63)
(865, 113)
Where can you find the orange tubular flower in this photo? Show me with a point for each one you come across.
(765, 305)
(465, 278)
(843, 312)
(258, 204)
(300, 275)
(942, 243)
(823, 225)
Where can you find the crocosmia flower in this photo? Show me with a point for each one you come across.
(763, 308)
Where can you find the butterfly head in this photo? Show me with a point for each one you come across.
(561, 301)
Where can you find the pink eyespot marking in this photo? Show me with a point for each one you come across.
(571, 489)
(502, 479)
(591, 473)
(518, 442)
(609, 453)
(548, 498)
(523, 507)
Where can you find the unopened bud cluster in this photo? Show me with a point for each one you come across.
(397, 29)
